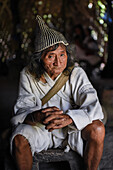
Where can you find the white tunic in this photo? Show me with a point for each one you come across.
(77, 98)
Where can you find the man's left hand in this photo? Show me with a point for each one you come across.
(57, 121)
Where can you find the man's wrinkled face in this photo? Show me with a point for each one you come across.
(55, 61)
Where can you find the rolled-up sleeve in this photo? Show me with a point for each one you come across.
(85, 96)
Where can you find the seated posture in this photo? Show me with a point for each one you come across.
(67, 118)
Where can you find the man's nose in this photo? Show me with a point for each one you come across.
(57, 61)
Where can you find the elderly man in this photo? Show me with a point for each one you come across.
(69, 117)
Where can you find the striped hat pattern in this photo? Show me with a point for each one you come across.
(47, 37)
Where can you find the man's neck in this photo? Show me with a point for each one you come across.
(42, 78)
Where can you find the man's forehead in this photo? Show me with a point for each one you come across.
(57, 50)
(51, 50)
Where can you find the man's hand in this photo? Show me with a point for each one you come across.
(51, 117)
(41, 115)
(55, 119)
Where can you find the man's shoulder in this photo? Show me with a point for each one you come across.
(77, 70)
(25, 70)
(77, 75)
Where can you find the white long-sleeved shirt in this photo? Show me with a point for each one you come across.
(77, 98)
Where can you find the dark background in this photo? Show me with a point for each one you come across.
(17, 32)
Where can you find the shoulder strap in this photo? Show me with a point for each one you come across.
(58, 85)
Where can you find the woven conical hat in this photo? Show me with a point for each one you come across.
(46, 37)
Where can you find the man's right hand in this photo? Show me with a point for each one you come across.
(41, 115)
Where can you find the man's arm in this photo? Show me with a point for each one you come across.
(84, 96)
(26, 102)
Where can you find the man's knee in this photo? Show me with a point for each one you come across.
(20, 143)
(94, 131)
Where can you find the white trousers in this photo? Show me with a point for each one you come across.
(40, 139)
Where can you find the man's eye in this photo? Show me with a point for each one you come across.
(50, 56)
(62, 55)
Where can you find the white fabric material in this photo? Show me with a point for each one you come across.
(77, 98)
(39, 138)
